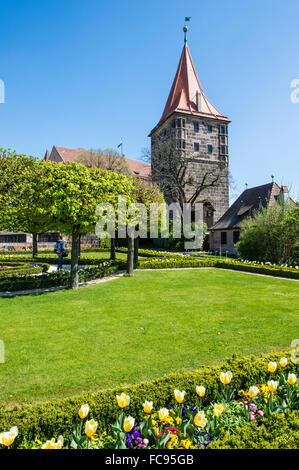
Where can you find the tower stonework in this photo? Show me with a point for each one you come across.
(199, 132)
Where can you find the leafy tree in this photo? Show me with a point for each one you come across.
(271, 234)
(20, 189)
(72, 193)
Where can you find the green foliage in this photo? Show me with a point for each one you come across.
(271, 234)
(276, 432)
(21, 268)
(56, 417)
(188, 262)
(26, 282)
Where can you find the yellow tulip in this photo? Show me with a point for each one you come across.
(272, 385)
(7, 438)
(179, 396)
(147, 406)
(283, 361)
(123, 400)
(129, 424)
(200, 419)
(226, 377)
(218, 410)
(272, 366)
(292, 379)
(91, 428)
(163, 413)
(253, 392)
(83, 412)
(201, 391)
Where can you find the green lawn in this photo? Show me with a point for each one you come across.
(134, 329)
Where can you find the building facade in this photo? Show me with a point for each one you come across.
(192, 126)
(224, 235)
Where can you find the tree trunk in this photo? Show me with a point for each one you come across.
(136, 248)
(130, 258)
(79, 245)
(112, 249)
(34, 244)
(75, 256)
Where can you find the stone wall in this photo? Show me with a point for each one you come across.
(201, 161)
(229, 246)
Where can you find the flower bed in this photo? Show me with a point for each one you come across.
(10, 269)
(191, 410)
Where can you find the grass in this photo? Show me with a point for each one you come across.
(133, 329)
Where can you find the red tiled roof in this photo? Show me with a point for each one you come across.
(186, 90)
(139, 169)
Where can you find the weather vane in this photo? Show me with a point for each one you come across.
(272, 176)
(185, 29)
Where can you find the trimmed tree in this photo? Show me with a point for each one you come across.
(72, 193)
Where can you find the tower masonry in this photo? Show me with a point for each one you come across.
(198, 132)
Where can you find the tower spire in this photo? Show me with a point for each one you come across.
(185, 29)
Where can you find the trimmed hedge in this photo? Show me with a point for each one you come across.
(277, 432)
(57, 278)
(176, 263)
(18, 268)
(270, 270)
(57, 417)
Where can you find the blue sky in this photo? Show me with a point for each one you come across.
(86, 73)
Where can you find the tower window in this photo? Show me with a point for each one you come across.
(210, 149)
(210, 128)
(223, 149)
(223, 129)
(196, 146)
(196, 126)
(223, 139)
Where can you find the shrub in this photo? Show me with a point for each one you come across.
(190, 262)
(58, 278)
(57, 417)
(277, 432)
(18, 268)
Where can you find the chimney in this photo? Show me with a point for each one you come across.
(284, 194)
(198, 100)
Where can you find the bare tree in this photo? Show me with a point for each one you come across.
(175, 172)
(105, 161)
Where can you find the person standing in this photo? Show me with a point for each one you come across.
(59, 250)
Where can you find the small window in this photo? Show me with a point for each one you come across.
(196, 126)
(223, 139)
(178, 123)
(183, 144)
(210, 128)
(210, 148)
(196, 146)
(236, 237)
(173, 123)
(223, 238)
(223, 149)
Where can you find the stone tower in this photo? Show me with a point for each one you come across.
(199, 133)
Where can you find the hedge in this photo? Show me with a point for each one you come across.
(56, 417)
(270, 270)
(19, 268)
(57, 278)
(277, 432)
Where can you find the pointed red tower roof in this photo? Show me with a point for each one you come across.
(186, 94)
